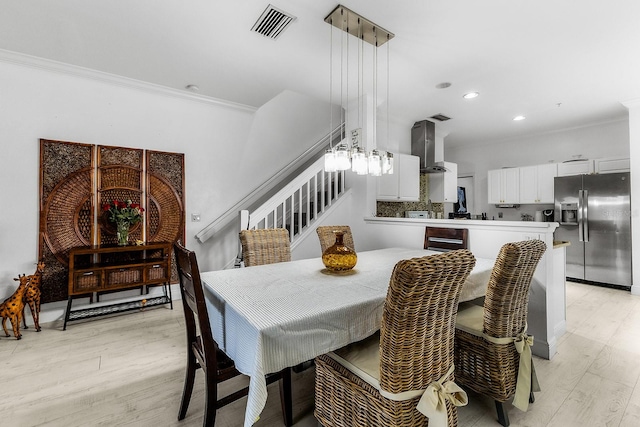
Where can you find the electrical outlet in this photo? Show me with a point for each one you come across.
(195, 217)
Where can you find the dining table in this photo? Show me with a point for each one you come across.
(274, 316)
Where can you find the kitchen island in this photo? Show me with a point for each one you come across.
(547, 302)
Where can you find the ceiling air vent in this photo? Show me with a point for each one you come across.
(272, 22)
(440, 117)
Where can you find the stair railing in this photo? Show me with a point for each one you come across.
(231, 213)
(299, 203)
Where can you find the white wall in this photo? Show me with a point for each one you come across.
(634, 143)
(610, 139)
(229, 150)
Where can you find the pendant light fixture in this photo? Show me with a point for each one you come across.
(352, 154)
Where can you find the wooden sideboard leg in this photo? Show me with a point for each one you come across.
(168, 286)
(66, 314)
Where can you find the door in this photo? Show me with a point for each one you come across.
(546, 175)
(529, 184)
(566, 193)
(608, 249)
(511, 183)
(494, 186)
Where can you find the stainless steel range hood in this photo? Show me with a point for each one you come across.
(423, 145)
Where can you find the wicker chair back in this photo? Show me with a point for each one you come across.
(265, 246)
(327, 236)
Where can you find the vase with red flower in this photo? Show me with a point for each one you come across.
(124, 214)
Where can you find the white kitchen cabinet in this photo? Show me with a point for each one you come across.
(504, 186)
(536, 183)
(576, 167)
(612, 165)
(404, 184)
(443, 187)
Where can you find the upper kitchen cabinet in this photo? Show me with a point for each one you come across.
(612, 165)
(504, 186)
(585, 167)
(443, 186)
(575, 167)
(404, 184)
(536, 183)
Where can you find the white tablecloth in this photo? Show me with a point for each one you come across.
(270, 317)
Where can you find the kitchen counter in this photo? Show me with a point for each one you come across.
(461, 222)
(560, 244)
(547, 302)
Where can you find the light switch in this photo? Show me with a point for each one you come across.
(195, 217)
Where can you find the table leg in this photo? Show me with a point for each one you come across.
(286, 397)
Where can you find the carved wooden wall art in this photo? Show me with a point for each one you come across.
(66, 210)
(76, 179)
(119, 178)
(165, 217)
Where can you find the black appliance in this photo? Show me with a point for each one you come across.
(547, 215)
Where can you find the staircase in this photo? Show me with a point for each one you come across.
(299, 204)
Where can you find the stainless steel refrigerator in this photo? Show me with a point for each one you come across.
(594, 212)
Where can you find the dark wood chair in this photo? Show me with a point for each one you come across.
(203, 351)
(487, 358)
(378, 381)
(445, 239)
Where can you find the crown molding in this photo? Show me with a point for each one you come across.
(25, 60)
(631, 103)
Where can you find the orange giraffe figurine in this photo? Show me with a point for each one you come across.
(32, 297)
(12, 307)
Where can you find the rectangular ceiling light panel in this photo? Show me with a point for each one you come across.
(357, 25)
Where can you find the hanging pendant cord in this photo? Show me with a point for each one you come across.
(388, 121)
(331, 86)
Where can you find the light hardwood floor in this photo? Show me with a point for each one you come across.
(128, 371)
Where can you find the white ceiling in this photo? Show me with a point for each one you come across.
(524, 57)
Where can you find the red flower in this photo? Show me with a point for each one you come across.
(126, 211)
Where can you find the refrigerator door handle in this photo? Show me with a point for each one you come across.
(580, 232)
(585, 216)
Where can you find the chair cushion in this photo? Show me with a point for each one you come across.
(362, 358)
(470, 319)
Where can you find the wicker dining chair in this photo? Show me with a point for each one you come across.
(413, 351)
(265, 246)
(486, 358)
(203, 351)
(326, 234)
(445, 239)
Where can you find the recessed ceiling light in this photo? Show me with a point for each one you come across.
(470, 95)
(192, 88)
(443, 85)
(518, 118)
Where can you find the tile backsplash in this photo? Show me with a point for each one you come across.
(397, 209)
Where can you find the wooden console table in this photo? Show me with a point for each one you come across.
(95, 269)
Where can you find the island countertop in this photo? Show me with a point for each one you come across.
(544, 227)
(560, 244)
(547, 303)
